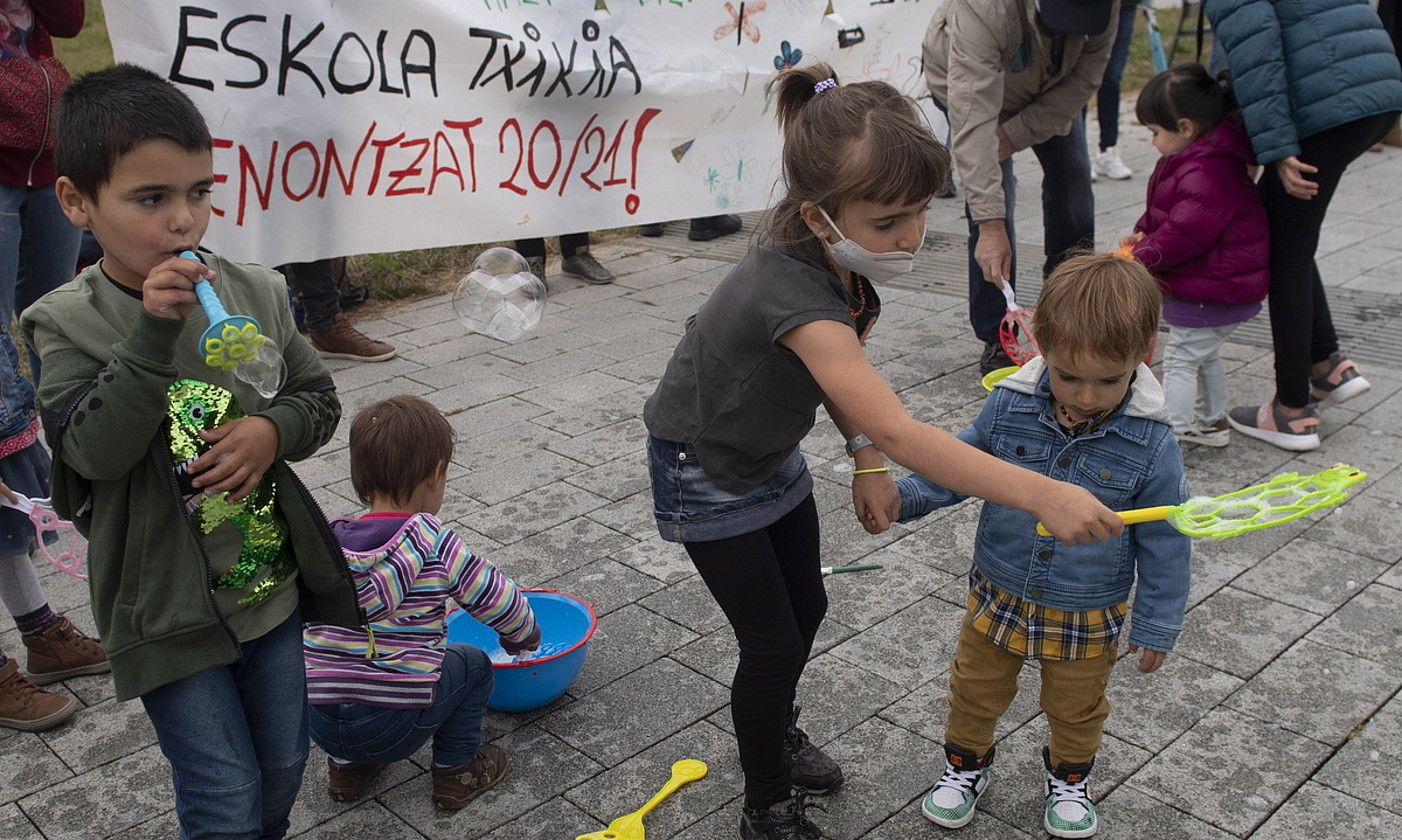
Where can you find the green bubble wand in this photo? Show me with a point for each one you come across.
(1285, 498)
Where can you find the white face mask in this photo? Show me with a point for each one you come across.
(878, 268)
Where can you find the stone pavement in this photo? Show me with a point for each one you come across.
(1277, 717)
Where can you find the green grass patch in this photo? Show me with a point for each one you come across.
(91, 50)
(1139, 67)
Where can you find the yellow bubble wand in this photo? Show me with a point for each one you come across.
(1285, 498)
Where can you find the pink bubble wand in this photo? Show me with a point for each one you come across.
(57, 538)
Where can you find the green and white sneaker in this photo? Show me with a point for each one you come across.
(1069, 810)
(950, 803)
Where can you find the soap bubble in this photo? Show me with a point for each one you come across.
(500, 298)
(264, 370)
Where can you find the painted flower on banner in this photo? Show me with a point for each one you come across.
(787, 57)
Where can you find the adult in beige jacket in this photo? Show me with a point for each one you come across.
(1013, 75)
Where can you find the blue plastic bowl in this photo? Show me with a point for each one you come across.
(566, 625)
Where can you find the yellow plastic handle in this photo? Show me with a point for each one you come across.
(1129, 517)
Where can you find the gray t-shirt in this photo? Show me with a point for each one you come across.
(730, 389)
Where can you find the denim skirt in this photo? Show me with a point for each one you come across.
(689, 507)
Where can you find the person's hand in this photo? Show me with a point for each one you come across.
(169, 290)
(1005, 147)
(876, 501)
(1150, 660)
(994, 253)
(1292, 172)
(1132, 240)
(8, 493)
(520, 651)
(242, 452)
(1074, 515)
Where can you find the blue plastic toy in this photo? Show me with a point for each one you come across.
(566, 625)
(230, 340)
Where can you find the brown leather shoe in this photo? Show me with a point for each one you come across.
(343, 341)
(454, 787)
(61, 652)
(348, 782)
(28, 708)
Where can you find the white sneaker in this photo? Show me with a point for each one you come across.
(1107, 164)
(950, 803)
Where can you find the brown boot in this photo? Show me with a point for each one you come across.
(343, 341)
(454, 787)
(61, 652)
(28, 708)
(348, 782)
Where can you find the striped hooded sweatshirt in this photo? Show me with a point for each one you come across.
(405, 568)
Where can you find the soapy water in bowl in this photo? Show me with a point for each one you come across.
(501, 657)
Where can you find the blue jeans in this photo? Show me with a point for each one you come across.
(371, 734)
(1107, 98)
(1068, 220)
(38, 250)
(236, 739)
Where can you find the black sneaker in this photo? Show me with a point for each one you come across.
(781, 821)
(537, 266)
(584, 267)
(810, 769)
(654, 229)
(709, 227)
(993, 358)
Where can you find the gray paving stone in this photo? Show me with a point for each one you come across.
(619, 442)
(861, 599)
(925, 711)
(1317, 811)
(836, 696)
(1366, 766)
(123, 793)
(1238, 632)
(557, 818)
(560, 549)
(314, 806)
(631, 516)
(717, 653)
(1291, 692)
(723, 823)
(26, 765)
(626, 640)
(614, 480)
(1131, 814)
(908, 824)
(1256, 767)
(688, 603)
(1392, 578)
(944, 539)
(624, 788)
(369, 820)
(1370, 625)
(620, 719)
(163, 827)
(1310, 575)
(666, 561)
(1367, 525)
(521, 516)
(910, 646)
(542, 767)
(101, 733)
(1017, 795)
(16, 826)
(582, 389)
(600, 410)
(494, 483)
(606, 585)
(886, 767)
(1152, 710)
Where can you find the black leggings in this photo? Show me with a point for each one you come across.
(770, 585)
(1302, 329)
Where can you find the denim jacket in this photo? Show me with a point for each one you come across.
(1130, 461)
(17, 409)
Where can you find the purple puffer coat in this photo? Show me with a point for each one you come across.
(1206, 238)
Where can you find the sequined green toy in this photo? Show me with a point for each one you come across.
(1285, 498)
(199, 406)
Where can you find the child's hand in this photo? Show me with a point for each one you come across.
(876, 501)
(1073, 515)
(1150, 660)
(1132, 240)
(242, 452)
(169, 290)
(8, 493)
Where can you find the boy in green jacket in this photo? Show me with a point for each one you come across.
(206, 553)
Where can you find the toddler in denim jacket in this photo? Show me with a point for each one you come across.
(1086, 411)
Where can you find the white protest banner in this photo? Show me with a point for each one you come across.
(382, 125)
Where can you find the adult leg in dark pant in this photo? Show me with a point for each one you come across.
(1068, 204)
(770, 586)
(328, 328)
(1302, 330)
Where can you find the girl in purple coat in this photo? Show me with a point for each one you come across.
(1205, 238)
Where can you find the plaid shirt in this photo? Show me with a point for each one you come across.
(1034, 631)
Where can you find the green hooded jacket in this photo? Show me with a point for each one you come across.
(107, 368)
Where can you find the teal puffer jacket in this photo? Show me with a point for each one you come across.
(1302, 66)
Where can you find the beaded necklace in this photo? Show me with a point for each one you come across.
(1076, 427)
(860, 292)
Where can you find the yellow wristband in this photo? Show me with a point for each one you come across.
(871, 471)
